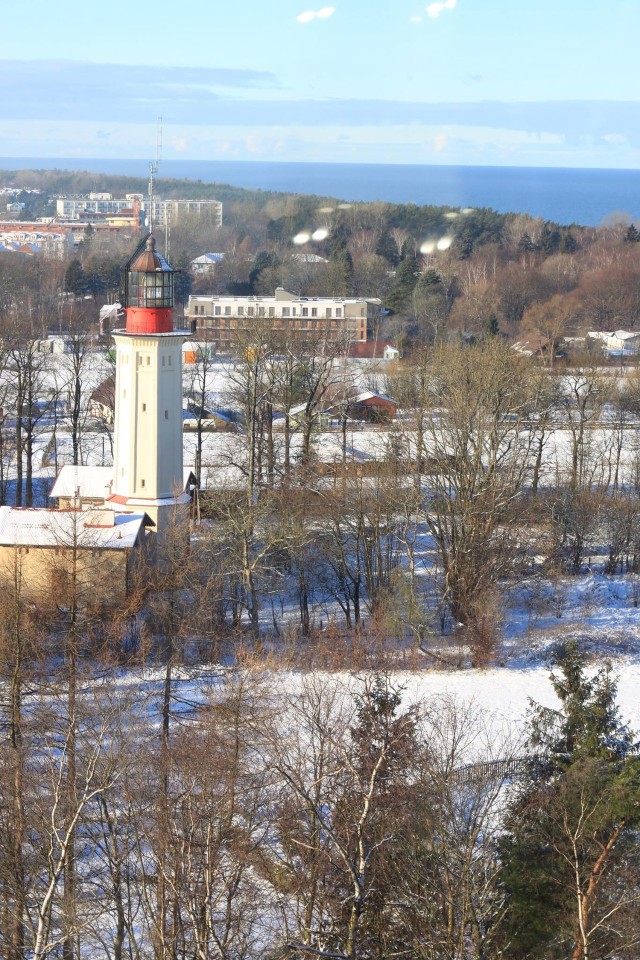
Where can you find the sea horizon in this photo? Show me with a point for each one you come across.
(568, 195)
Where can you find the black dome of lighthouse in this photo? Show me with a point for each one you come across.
(149, 279)
(149, 260)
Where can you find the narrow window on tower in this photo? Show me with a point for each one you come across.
(166, 414)
(144, 408)
(142, 483)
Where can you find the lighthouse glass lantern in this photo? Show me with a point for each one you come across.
(149, 292)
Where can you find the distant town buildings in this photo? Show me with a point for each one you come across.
(50, 240)
(163, 212)
(222, 318)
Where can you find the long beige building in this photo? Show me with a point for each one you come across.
(163, 212)
(222, 318)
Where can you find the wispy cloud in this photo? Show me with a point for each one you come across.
(308, 15)
(435, 9)
(78, 90)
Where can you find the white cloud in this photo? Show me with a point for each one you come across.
(436, 8)
(614, 138)
(415, 20)
(308, 15)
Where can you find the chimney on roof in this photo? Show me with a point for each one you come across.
(100, 517)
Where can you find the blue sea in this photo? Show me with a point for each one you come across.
(585, 197)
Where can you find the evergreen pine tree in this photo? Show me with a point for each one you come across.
(491, 326)
(182, 279)
(75, 281)
(387, 248)
(573, 821)
(568, 243)
(526, 243)
(404, 284)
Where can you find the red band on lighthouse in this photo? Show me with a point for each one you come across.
(149, 320)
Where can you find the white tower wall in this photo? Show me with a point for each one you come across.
(148, 416)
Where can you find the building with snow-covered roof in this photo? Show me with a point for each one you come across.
(54, 552)
(620, 343)
(206, 263)
(36, 238)
(223, 318)
(87, 486)
(308, 258)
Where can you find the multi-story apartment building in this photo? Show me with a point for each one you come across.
(222, 318)
(51, 241)
(163, 211)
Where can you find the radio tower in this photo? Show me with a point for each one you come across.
(153, 172)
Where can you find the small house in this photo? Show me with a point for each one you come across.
(371, 407)
(622, 343)
(102, 402)
(206, 264)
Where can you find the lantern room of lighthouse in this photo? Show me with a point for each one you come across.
(148, 411)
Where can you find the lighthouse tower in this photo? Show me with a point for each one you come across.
(148, 470)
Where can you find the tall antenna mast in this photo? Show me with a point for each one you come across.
(153, 171)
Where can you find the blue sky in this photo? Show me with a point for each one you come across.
(527, 82)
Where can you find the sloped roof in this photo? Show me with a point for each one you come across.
(626, 334)
(209, 258)
(88, 483)
(532, 345)
(105, 392)
(366, 395)
(22, 527)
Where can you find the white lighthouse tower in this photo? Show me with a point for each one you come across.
(148, 473)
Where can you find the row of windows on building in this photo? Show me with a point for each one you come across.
(224, 335)
(271, 312)
(232, 323)
(144, 360)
